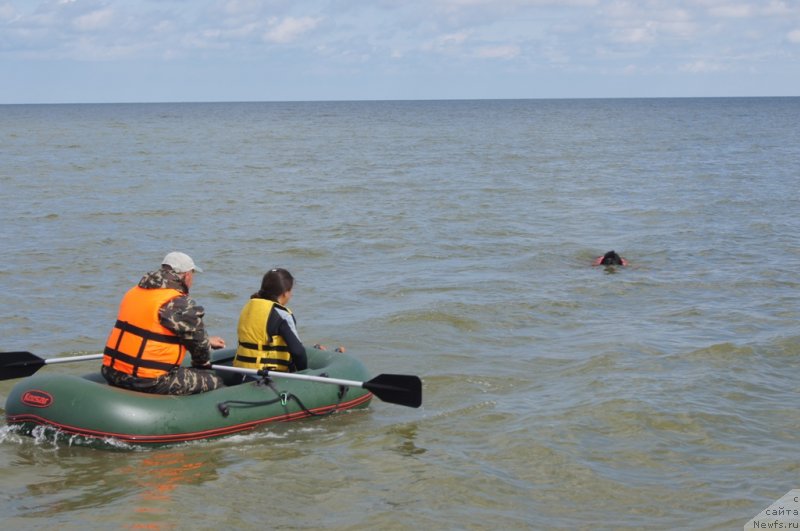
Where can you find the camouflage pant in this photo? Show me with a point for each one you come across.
(178, 381)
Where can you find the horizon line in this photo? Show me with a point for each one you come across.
(381, 100)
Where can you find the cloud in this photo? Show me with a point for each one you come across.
(289, 29)
(449, 43)
(515, 3)
(7, 11)
(636, 35)
(731, 11)
(452, 38)
(779, 7)
(95, 20)
(508, 51)
(701, 66)
(425, 38)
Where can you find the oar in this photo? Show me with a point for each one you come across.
(22, 364)
(402, 389)
(393, 388)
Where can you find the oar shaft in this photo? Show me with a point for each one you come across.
(400, 389)
(87, 357)
(291, 376)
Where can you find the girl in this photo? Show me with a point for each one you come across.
(267, 329)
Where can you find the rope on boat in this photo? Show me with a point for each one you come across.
(283, 398)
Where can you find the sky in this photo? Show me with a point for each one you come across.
(99, 51)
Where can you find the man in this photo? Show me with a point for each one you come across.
(157, 323)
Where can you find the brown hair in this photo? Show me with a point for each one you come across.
(275, 283)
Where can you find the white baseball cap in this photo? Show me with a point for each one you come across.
(180, 262)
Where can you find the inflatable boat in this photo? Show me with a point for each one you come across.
(87, 410)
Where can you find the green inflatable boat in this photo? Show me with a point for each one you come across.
(88, 411)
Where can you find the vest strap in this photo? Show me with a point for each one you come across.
(147, 334)
(262, 361)
(253, 346)
(137, 362)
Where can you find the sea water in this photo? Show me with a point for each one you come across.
(448, 239)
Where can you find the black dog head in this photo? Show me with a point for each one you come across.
(611, 258)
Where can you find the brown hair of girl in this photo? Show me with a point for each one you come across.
(275, 283)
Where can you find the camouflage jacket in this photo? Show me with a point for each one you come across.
(181, 315)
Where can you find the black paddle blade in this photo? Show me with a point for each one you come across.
(19, 364)
(397, 389)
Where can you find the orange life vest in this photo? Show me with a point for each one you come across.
(138, 344)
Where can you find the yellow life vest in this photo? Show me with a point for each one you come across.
(138, 344)
(256, 350)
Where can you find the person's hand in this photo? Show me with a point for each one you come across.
(323, 347)
(205, 367)
(216, 342)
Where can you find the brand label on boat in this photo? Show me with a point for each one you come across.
(37, 398)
